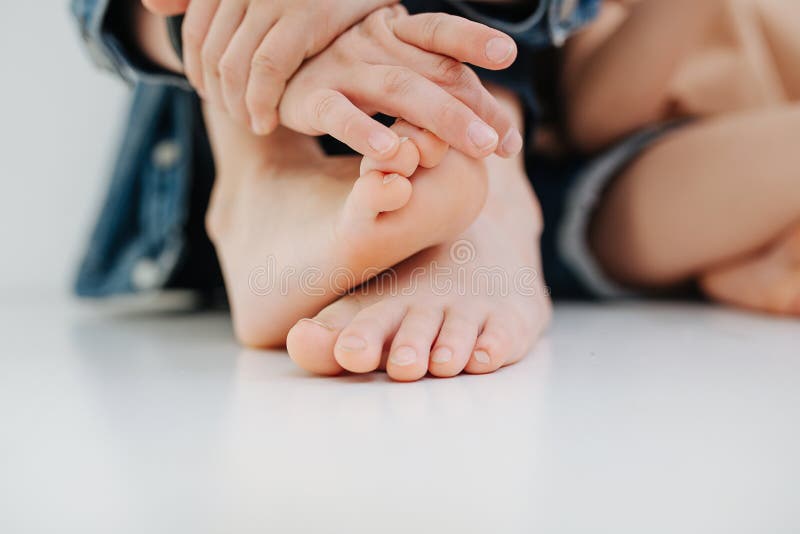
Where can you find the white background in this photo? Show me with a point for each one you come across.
(60, 122)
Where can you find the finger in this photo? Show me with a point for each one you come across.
(459, 38)
(234, 66)
(402, 93)
(226, 21)
(461, 81)
(195, 28)
(330, 112)
(166, 8)
(432, 150)
(276, 60)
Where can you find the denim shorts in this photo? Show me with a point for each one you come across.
(570, 190)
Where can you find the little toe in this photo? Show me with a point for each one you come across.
(404, 163)
(411, 347)
(359, 347)
(494, 347)
(375, 193)
(431, 149)
(454, 344)
(310, 342)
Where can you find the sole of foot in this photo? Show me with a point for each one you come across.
(295, 229)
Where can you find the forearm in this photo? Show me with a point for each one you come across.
(617, 76)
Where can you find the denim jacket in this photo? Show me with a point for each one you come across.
(149, 235)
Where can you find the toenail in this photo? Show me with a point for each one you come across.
(499, 49)
(481, 356)
(442, 355)
(318, 323)
(381, 142)
(512, 143)
(482, 135)
(389, 178)
(403, 356)
(352, 343)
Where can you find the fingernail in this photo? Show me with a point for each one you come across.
(499, 49)
(442, 355)
(481, 135)
(390, 178)
(318, 323)
(403, 140)
(403, 356)
(352, 343)
(512, 143)
(381, 142)
(481, 356)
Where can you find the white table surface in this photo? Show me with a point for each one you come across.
(627, 418)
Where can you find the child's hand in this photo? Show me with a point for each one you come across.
(407, 67)
(239, 54)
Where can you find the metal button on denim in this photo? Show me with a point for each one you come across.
(146, 275)
(166, 154)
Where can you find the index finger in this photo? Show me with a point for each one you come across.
(458, 38)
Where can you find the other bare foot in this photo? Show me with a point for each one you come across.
(768, 281)
(473, 304)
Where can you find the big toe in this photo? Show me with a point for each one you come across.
(311, 342)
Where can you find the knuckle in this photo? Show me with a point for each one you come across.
(350, 127)
(397, 81)
(229, 72)
(323, 107)
(265, 64)
(374, 28)
(192, 38)
(431, 27)
(210, 59)
(453, 73)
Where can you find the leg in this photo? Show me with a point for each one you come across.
(473, 304)
(707, 194)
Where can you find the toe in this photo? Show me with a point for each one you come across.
(375, 193)
(454, 345)
(359, 347)
(431, 149)
(411, 347)
(404, 163)
(495, 346)
(311, 342)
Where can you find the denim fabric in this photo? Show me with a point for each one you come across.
(147, 230)
(149, 235)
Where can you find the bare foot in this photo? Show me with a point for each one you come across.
(768, 281)
(473, 304)
(295, 229)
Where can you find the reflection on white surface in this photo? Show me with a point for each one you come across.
(626, 419)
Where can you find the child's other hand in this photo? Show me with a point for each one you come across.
(239, 54)
(408, 67)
